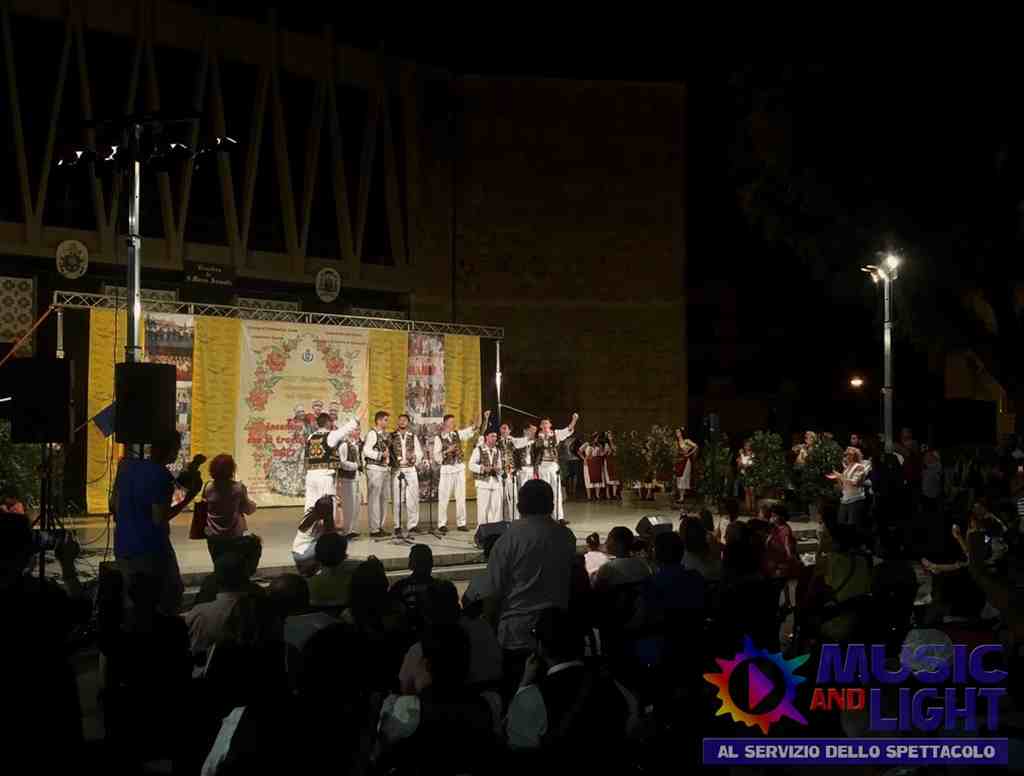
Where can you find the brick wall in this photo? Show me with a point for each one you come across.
(570, 234)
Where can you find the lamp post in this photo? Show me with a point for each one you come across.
(887, 275)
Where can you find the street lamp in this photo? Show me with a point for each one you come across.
(856, 382)
(887, 276)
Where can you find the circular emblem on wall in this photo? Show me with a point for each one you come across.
(72, 259)
(308, 356)
(328, 284)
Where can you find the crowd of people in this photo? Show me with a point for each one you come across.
(548, 651)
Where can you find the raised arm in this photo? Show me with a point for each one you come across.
(339, 435)
(562, 434)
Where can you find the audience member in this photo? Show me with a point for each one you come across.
(227, 505)
(622, 567)
(380, 617)
(595, 557)
(529, 570)
(414, 728)
(317, 521)
(476, 591)
(250, 548)
(141, 504)
(700, 555)
(562, 705)
(234, 616)
(331, 585)
(413, 589)
(732, 513)
(848, 575)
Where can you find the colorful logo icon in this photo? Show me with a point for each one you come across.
(758, 688)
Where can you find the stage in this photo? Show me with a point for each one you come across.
(455, 555)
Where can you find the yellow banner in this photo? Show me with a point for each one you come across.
(462, 388)
(106, 342)
(389, 358)
(215, 378)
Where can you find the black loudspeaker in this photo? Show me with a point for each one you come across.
(145, 396)
(40, 394)
(651, 525)
(486, 530)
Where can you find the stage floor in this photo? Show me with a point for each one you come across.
(276, 526)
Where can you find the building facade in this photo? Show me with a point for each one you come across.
(552, 208)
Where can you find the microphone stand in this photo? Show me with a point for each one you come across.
(504, 498)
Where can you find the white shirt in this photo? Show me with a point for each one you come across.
(448, 468)
(370, 451)
(560, 434)
(346, 464)
(853, 483)
(524, 442)
(417, 449)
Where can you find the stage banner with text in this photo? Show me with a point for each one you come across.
(215, 378)
(289, 373)
(106, 345)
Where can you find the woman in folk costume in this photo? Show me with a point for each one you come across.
(593, 468)
(611, 469)
(686, 451)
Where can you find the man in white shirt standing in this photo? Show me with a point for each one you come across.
(377, 455)
(406, 452)
(349, 465)
(485, 463)
(545, 458)
(510, 482)
(448, 454)
(322, 457)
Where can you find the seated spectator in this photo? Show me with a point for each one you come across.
(228, 504)
(745, 605)
(331, 586)
(562, 705)
(260, 737)
(251, 549)
(622, 567)
(380, 617)
(595, 557)
(288, 597)
(234, 616)
(673, 589)
(11, 501)
(414, 728)
(38, 680)
(317, 521)
(732, 513)
(701, 555)
(413, 589)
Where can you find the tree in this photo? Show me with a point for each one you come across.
(768, 471)
(836, 165)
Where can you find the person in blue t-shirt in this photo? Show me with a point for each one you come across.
(141, 504)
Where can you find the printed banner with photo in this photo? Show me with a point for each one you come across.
(289, 374)
(170, 339)
(424, 400)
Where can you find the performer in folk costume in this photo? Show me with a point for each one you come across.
(406, 453)
(377, 454)
(686, 453)
(486, 465)
(509, 481)
(448, 455)
(545, 458)
(317, 520)
(350, 454)
(592, 454)
(611, 469)
(524, 445)
(322, 458)
(744, 464)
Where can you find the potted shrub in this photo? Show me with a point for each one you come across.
(715, 471)
(767, 475)
(824, 458)
(19, 466)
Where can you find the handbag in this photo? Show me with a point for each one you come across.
(200, 514)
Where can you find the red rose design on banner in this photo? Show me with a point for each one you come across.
(291, 372)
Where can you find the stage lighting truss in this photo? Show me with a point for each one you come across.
(151, 139)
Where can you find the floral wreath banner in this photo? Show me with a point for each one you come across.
(290, 373)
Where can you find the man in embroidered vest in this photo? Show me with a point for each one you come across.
(406, 453)
(349, 465)
(525, 470)
(322, 458)
(485, 463)
(448, 455)
(509, 457)
(377, 455)
(545, 458)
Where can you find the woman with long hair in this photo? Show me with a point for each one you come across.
(611, 470)
(593, 468)
(228, 503)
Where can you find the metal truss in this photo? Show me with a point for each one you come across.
(69, 300)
